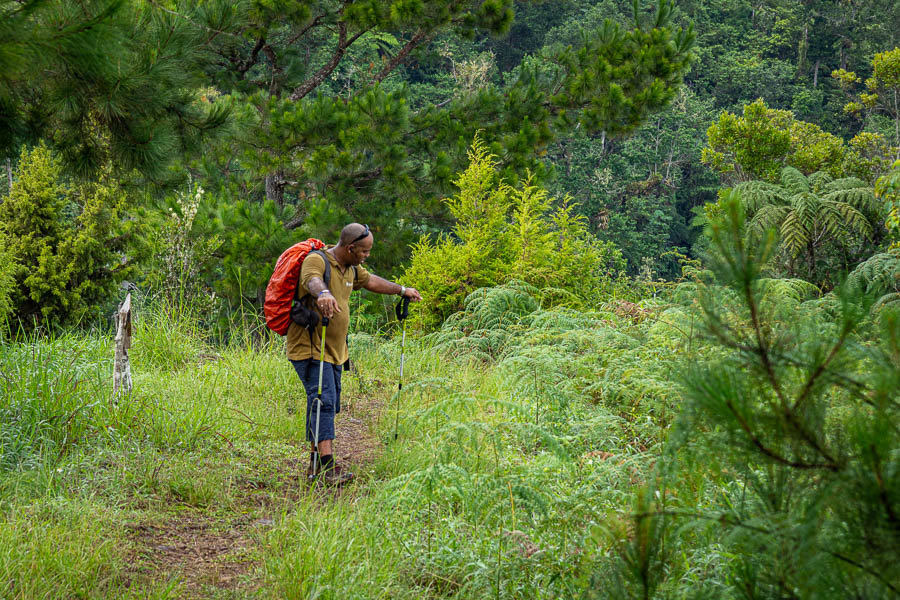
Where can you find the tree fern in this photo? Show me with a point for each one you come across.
(816, 217)
(794, 181)
(879, 275)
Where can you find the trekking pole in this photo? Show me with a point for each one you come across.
(315, 468)
(402, 312)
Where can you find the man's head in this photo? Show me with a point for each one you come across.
(356, 243)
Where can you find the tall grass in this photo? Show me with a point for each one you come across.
(52, 396)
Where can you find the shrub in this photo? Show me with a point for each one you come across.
(7, 280)
(505, 232)
(71, 242)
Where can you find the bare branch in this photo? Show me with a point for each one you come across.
(314, 23)
(420, 37)
(316, 80)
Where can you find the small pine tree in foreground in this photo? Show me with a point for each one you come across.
(799, 417)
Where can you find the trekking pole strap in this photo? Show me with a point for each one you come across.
(402, 309)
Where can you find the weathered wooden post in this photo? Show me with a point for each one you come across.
(121, 367)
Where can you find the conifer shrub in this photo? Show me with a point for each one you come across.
(795, 417)
(7, 280)
(72, 243)
(506, 232)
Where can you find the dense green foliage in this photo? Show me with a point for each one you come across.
(800, 410)
(758, 144)
(504, 232)
(70, 246)
(737, 434)
(103, 81)
(827, 225)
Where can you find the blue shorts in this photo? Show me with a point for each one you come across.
(308, 370)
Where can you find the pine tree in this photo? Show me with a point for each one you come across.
(798, 411)
(103, 82)
(321, 126)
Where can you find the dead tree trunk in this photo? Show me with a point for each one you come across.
(121, 366)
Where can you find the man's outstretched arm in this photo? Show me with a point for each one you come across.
(379, 285)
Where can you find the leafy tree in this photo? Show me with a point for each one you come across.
(798, 412)
(883, 90)
(502, 233)
(70, 243)
(103, 82)
(758, 144)
(815, 217)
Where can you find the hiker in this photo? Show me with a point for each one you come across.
(303, 349)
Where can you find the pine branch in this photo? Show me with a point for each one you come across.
(821, 369)
(193, 22)
(745, 425)
(726, 520)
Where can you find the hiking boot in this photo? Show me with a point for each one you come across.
(336, 475)
(333, 475)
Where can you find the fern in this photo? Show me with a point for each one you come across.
(757, 194)
(815, 216)
(794, 181)
(879, 275)
(820, 181)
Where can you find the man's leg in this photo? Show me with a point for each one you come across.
(332, 472)
(324, 447)
(331, 404)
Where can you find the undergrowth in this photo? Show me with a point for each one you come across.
(532, 453)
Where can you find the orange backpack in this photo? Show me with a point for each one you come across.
(282, 288)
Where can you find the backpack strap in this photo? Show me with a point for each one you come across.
(327, 277)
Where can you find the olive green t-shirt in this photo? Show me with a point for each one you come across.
(341, 284)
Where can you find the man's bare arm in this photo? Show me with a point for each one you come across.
(326, 302)
(380, 285)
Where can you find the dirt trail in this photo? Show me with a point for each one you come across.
(211, 554)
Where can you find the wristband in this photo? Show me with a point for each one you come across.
(402, 290)
(325, 291)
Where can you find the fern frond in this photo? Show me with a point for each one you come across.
(805, 207)
(848, 218)
(794, 181)
(819, 181)
(794, 235)
(787, 290)
(756, 194)
(845, 183)
(880, 274)
(768, 217)
(860, 198)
